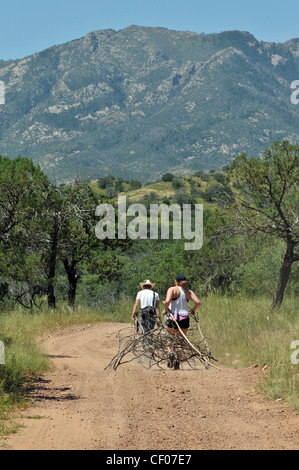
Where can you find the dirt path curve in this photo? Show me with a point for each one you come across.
(80, 406)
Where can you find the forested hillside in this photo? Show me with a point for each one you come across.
(49, 250)
(55, 272)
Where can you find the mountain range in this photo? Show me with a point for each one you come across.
(143, 101)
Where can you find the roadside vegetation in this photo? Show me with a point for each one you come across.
(241, 332)
(55, 273)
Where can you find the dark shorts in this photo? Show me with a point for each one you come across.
(182, 324)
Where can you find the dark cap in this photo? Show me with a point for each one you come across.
(180, 277)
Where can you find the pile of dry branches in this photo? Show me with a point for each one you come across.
(160, 347)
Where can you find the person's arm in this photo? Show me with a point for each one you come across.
(168, 300)
(158, 311)
(195, 300)
(135, 309)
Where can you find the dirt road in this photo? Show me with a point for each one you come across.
(79, 405)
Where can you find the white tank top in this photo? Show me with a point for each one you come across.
(179, 306)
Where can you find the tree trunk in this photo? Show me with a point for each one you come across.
(52, 271)
(51, 296)
(71, 271)
(284, 275)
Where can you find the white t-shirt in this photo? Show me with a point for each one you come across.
(146, 298)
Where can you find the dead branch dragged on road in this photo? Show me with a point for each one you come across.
(159, 347)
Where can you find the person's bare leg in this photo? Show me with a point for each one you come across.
(171, 354)
(184, 332)
(179, 354)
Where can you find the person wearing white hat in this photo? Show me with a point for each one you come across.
(149, 303)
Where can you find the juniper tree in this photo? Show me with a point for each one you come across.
(268, 201)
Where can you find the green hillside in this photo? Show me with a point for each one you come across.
(198, 188)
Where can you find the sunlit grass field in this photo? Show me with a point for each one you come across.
(244, 332)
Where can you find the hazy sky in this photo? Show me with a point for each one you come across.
(33, 25)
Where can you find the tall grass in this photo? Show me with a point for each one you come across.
(244, 332)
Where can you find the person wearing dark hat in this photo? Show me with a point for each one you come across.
(176, 303)
(148, 301)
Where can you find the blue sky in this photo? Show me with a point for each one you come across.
(33, 25)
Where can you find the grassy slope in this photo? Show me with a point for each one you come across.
(163, 189)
